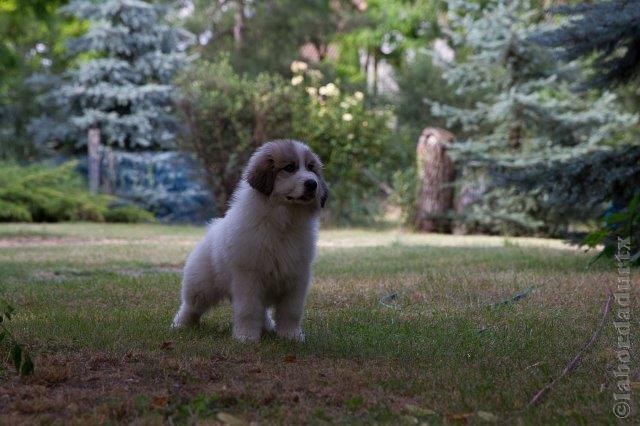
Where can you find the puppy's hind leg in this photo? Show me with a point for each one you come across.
(194, 305)
(199, 291)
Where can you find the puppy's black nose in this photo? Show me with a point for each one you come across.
(310, 185)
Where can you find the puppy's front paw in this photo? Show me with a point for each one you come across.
(295, 334)
(244, 335)
(246, 338)
(183, 321)
(269, 324)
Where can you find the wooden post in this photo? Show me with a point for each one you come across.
(94, 159)
(436, 173)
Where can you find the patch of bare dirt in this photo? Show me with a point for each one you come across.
(103, 387)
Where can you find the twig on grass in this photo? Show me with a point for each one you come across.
(390, 298)
(575, 362)
(515, 298)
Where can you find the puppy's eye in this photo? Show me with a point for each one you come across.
(310, 167)
(289, 168)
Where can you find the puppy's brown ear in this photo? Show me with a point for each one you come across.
(325, 192)
(260, 172)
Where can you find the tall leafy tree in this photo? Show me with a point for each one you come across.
(122, 84)
(31, 40)
(266, 35)
(526, 117)
(385, 31)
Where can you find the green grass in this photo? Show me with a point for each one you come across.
(94, 303)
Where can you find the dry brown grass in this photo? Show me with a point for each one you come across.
(94, 304)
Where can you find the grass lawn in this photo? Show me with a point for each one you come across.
(94, 303)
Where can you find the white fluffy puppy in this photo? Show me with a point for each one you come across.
(259, 254)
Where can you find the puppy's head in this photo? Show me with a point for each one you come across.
(288, 172)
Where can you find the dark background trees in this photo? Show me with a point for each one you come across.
(537, 102)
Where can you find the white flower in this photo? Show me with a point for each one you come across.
(329, 90)
(344, 104)
(347, 117)
(297, 80)
(312, 91)
(298, 67)
(350, 136)
(359, 96)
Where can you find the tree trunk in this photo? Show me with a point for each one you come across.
(93, 149)
(436, 173)
(238, 25)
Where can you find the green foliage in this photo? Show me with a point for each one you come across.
(420, 77)
(16, 352)
(53, 194)
(124, 88)
(619, 234)
(272, 31)
(45, 194)
(404, 196)
(31, 40)
(576, 188)
(227, 116)
(526, 118)
(614, 40)
(128, 214)
(355, 142)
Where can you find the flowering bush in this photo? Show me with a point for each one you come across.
(227, 116)
(353, 140)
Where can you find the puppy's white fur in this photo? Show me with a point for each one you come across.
(260, 253)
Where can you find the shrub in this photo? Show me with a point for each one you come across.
(53, 194)
(619, 234)
(227, 116)
(404, 195)
(355, 142)
(128, 214)
(47, 194)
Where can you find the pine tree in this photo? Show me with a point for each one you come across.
(124, 88)
(611, 29)
(526, 116)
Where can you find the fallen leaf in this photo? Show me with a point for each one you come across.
(419, 411)
(411, 420)
(487, 416)
(634, 385)
(228, 419)
(289, 358)
(158, 402)
(459, 417)
(167, 346)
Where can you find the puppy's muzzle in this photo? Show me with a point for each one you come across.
(310, 186)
